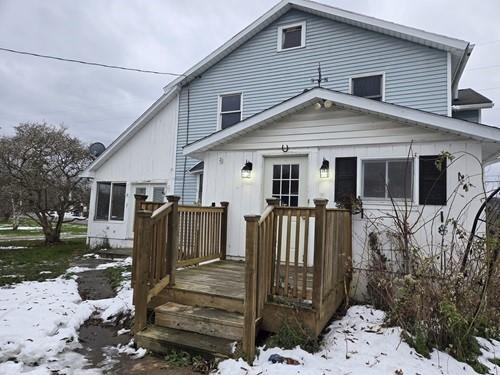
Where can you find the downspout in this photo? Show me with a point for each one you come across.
(460, 70)
(186, 142)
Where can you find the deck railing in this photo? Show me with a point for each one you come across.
(167, 236)
(295, 255)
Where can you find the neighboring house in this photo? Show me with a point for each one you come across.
(247, 123)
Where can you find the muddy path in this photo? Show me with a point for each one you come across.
(99, 340)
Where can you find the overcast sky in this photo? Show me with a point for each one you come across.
(96, 104)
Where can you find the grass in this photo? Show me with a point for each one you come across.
(115, 276)
(67, 228)
(37, 261)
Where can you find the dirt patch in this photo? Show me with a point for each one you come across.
(94, 285)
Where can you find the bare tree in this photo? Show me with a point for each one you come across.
(43, 164)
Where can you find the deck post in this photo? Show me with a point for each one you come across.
(139, 198)
(319, 250)
(250, 306)
(223, 231)
(144, 248)
(173, 237)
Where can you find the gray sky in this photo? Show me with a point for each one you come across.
(96, 104)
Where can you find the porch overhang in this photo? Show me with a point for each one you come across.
(484, 133)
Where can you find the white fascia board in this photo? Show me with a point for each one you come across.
(467, 107)
(456, 46)
(396, 112)
(129, 132)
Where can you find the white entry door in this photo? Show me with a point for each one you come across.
(286, 178)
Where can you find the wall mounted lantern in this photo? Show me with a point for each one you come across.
(324, 169)
(246, 171)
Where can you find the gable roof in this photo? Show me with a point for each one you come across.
(459, 49)
(382, 109)
(470, 99)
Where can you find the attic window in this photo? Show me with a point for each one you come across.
(292, 36)
(370, 86)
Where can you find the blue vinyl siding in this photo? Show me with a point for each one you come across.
(415, 76)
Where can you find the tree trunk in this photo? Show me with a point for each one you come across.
(15, 215)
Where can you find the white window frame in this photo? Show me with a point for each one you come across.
(361, 179)
(363, 75)
(111, 201)
(302, 24)
(219, 107)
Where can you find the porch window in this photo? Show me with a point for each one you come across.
(230, 110)
(386, 179)
(110, 201)
(370, 87)
(286, 184)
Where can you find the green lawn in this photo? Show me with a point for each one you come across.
(37, 261)
(6, 231)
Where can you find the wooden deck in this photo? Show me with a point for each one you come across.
(188, 296)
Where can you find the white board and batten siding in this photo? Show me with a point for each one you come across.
(325, 134)
(415, 76)
(147, 158)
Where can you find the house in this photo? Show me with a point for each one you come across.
(312, 105)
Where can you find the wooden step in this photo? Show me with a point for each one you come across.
(163, 340)
(196, 298)
(205, 320)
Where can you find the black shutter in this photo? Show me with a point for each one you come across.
(432, 181)
(345, 178)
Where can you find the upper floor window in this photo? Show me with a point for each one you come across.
(230, 110)
(292, 36)
(371, 87)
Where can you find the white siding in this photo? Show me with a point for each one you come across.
(149, 157)
(223, 180)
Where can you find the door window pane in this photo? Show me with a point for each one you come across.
(103, 195)
(158, 194)
(140, 190)
(118, 201)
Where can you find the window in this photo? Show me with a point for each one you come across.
(110, 201)
(158, 194)
(431, 181)
(230, 110)
(200, 188)
(370, 87)
(345, 179)
(286, 184)
(386, 179)
(140, 190)
(292, 36)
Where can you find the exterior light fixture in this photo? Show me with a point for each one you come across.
(328, 104)
(324, 169)
(317, 106)
(323, 104)
(246, 171)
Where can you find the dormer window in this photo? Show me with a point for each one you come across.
(292, 36)
(229, 110)
(368, 86)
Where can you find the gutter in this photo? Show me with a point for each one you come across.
(466, 107)
(460, 69)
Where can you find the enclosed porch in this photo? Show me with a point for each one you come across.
(188, 295)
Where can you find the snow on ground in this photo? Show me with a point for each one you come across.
(39, 324)
(20, 228)
(118, 263)
(12, 247)
(358, 344)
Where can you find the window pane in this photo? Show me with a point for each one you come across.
(103, 194)
(229, 119)
(286, 171)
(374, 179)
(292, 37)
(200, 188)
(140, 190)
(158, 194)
(231, 103)
(284, 200)
(400, 178)
(118, 201)
(294, 187)
(295, 171)
(276, 187)
(368, 87)
(294, 201)
(276, 171)
(285, 187)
